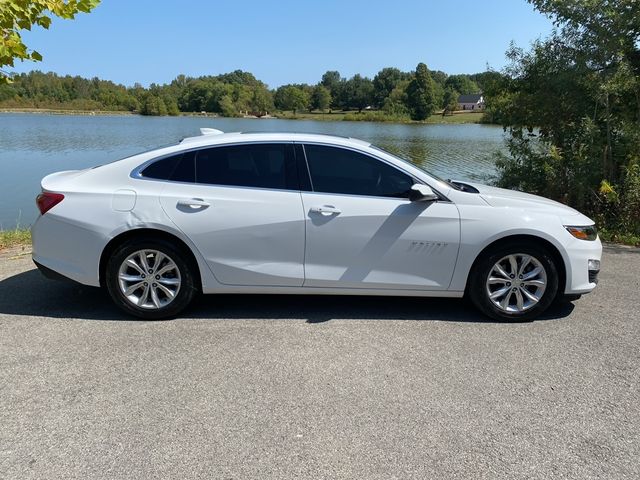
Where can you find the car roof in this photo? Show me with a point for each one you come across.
(215, 137)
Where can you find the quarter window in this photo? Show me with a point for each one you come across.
(162, 169)
(338, 170)
(257, 165)
(177, 168)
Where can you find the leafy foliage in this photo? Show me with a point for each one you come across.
(230, 94)
(17, 15)
(292, 97)
(462, 84)
(571, 106)
(320, 98)
(450, 100)
(48, 90)
(385, 81)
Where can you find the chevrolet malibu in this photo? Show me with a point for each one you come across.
(305, 214)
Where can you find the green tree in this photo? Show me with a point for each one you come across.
(357, 93)
(396, 103)
(214, 91)
(439, 77)
(450, 101)
(261, 101)
(153, 105)
(385, 81)
(334, 83)
(571, 106)
(484, 80)
(462, 84)
(320, 98)
(171, 105)
(227, 107)
(292, 97)
(17, 15)
(196, 96)
(420, 94)
(331, 80)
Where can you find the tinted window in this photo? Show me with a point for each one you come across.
(338, 170)
(162, 169)
(258, 165)
(185, 170)
(178, 168)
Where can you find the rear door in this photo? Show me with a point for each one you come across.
(363, 232)
(241, 207)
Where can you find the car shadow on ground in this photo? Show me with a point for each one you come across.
(30, 294)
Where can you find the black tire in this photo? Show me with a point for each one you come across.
(477, 289)
(184, 273)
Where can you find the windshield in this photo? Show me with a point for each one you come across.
(406, 160)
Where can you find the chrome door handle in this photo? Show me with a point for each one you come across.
(195, 203)
(328, 209)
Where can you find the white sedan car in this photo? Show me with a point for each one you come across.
(305, 214)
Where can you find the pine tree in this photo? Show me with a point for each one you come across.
(420, 94)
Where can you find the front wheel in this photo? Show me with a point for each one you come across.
(150, 279)
(516, 282)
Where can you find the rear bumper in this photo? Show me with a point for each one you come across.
(51, 274)
(64, 249)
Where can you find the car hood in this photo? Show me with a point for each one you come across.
(502, 197)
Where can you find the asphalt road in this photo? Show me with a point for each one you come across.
(317, 387)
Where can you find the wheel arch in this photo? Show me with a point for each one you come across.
(535, 240)
(152, 234)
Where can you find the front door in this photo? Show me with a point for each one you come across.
(243, 213)
(362, 231)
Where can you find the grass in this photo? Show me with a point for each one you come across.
(316, 115)
(18, 237)
(63, 111)
(457, 118)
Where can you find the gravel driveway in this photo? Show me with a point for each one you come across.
(317, 387)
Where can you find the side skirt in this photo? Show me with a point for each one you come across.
(333, 291)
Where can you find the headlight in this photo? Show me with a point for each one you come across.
(589, 232)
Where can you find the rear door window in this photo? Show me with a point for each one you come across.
(264, 165)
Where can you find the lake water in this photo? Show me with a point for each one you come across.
(34, 145)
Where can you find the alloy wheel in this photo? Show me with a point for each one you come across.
(516, 283)
(149, 279)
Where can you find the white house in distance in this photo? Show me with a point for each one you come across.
(475, 101)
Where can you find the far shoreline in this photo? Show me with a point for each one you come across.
(458, 118)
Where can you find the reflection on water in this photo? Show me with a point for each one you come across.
(33, 145)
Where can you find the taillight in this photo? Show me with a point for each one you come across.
(47, 200)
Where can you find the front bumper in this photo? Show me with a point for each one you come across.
(582, 276)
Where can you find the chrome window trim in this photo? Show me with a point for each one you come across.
(136, 172)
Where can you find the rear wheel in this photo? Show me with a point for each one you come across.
(514, 282)
(150, 279)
